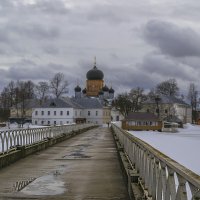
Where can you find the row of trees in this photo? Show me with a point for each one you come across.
(133, 101)
(16, 93)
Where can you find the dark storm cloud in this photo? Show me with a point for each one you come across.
(29, 70)
(167, 67)
(43, 37)
(171, 39)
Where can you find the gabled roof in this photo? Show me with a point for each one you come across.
(55, 103)
(141, 116)
(88, 102)
(71, 102)
(167, 100)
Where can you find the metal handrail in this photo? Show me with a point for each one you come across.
(10, 139)
(162, 177)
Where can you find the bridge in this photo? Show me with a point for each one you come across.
(89, 162)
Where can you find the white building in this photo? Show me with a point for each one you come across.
(53, 112)
(71, 110)
(169, 106)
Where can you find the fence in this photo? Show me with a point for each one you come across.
(160, 177)
(23, 137)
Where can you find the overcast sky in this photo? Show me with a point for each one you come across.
(137, 43)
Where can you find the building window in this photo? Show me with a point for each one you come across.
(42, 112)
(88, 113)
(96, 113)
(54, 112)
(35, 122)
(49, 113)
(68, 112)
(166, 111)
(42, 122)
(61, 112)
(48, 122)
(117, 118)
(54, 122)
(67, 122)
(61, 123)
(36, 112)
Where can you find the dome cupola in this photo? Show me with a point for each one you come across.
(105, 88)
(84, 91)
(111, 90)
(95, 73)
(77, 89)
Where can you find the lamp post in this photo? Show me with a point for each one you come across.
(157, 99)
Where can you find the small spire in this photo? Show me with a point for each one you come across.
(77, 81)
(95, 62)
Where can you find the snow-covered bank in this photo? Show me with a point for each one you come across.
(183, 146)
(15, 126)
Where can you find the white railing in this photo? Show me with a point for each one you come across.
(160, 177)
(11, 138)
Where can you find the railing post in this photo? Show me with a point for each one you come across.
(181, 191)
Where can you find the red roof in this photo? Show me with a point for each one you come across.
(142, 116)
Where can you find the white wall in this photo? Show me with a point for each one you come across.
(116, 114)
(184, 113)
(59, 118)
(93, 118)
(96, 116)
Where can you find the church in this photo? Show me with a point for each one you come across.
(90, 105)
(95, 86)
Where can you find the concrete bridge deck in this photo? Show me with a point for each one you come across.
(82, 168)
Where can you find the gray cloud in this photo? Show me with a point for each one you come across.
(42, 38)
(171, 39)
(51, 7)
(167, 67)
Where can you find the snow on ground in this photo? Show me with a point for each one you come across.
(183, 146)
(15, 126)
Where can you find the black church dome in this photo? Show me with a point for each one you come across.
(95, 74)
(111, 90)
(84, 91)
(105, 88)
(77, 89)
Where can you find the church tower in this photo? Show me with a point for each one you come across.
(94, 81)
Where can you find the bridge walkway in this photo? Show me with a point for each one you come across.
(81, 168)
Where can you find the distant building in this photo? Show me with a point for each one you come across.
(168, 106)
(54, 112)
(22, 112)
(91, 105)
(71, 110)
(116, 115)
(142, 121)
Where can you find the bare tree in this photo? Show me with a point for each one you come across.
(42, 90)
(168, 88)
(130, 102)
(123, 104)
(58, 85)
(193, 98)
(137, 98)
